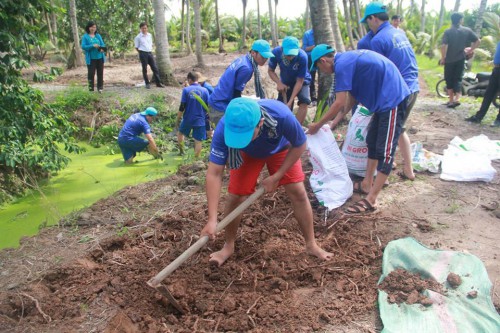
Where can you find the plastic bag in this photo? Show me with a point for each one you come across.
(466, 166)
(329, 179)
(424, 160)
(355, 150)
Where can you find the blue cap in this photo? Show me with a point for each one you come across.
(319, 51)
(373, 8)
(240, 120)
(290, 46)
(150, 111)
(263, 48)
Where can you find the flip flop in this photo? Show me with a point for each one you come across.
(403, 176)
(361, 207)
(357, 188)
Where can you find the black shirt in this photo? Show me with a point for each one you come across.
(457, 39)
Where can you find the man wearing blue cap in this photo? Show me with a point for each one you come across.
(128, 139)
(371, 79)
(294, 75)
(250, 135)
(233, 80)
(394, 45)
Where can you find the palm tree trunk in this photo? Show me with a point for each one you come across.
(76, 37)
(276, 28)
(53, 21)
(308, 17)
(337, 35)
(271, 23)
(347, 18)
(361, 27)
(219, 33)
(441, 15)
(259, 23)
(161, 42)
(323, 34)
(400, 7)
(181, 49)
(457, 6)
(244, 27)
(188, 29)
(412, 7)
(49, 27)
(197, 26)
(422, 17)
(480, 15)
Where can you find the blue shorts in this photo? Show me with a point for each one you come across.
(129, 148)
(304, 95)
(383, 135)
(199, 132)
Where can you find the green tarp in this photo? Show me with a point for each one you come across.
(452, 312)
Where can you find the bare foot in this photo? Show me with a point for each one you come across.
(221, 256)
(315, 250)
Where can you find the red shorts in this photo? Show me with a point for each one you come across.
(242, 181)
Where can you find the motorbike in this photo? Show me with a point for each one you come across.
(472, 85)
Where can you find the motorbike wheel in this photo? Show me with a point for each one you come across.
(496, 101)
(441, 89)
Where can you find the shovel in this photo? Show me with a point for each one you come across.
(155, 282)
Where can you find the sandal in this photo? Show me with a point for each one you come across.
(361, 207)
(357, 188)
(403, 176)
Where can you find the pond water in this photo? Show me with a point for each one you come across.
(89, 177)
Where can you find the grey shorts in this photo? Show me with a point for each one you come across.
(215, 116)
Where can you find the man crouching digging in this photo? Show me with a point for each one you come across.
(250, 135)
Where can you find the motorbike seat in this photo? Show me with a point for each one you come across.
(483, 76)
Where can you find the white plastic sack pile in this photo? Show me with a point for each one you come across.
(424, 160)
(470, 160)
(355, 150)
(329, 179)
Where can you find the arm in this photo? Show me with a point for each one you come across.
(279, 85)
(101, 41)
(296, 89)
(294, 153)
(86, 43)
(213, 189)
(136, 43)
(475, 44)
(179, 116)
(349, 104)
(152, 143)
(444, 49)
(338, 105)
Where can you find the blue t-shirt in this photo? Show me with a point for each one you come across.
(135, 125)
(235, 77)
(308, 40)
(364, 43)
(393, 44)
(208, 86)
(288, 131)
(194, 113)
(297, 67)
(371, 78)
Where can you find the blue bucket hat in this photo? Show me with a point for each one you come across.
(150, 111)
(319, 51)
(263, 48)
(290, 46)
(240, 119)
(373, 8)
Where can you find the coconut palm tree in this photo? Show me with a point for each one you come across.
(259, 23)
(273, 26)
(181, 49)
(361, 27)
(76, 36)
(197, 26)
(422, 16)
(441, 15)
(244, 27)
(219, 33)
(320, 19)
(188, 29)
(480, 15)
(457, 6)
(276, 29)
(161, 42)
(337, 35)
(347, 18)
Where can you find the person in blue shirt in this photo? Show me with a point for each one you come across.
(129, 138)
(294, 76)
(192, 113)
(254, 133)
(203, 81)
(491, 93)
(371, 79)
(394, 45)
(235, 77)
(94, 48)
(308, 44)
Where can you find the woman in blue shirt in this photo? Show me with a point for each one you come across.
(94, 48)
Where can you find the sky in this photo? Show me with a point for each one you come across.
(285, 9)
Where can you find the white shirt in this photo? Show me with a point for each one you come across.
(144, 42)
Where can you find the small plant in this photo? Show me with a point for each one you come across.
(122, 231)
(452, 208)
(85, 239)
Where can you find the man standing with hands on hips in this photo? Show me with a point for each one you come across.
(144, 45)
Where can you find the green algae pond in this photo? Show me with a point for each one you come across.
(89, 177)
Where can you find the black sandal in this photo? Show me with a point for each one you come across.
(361, 207)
